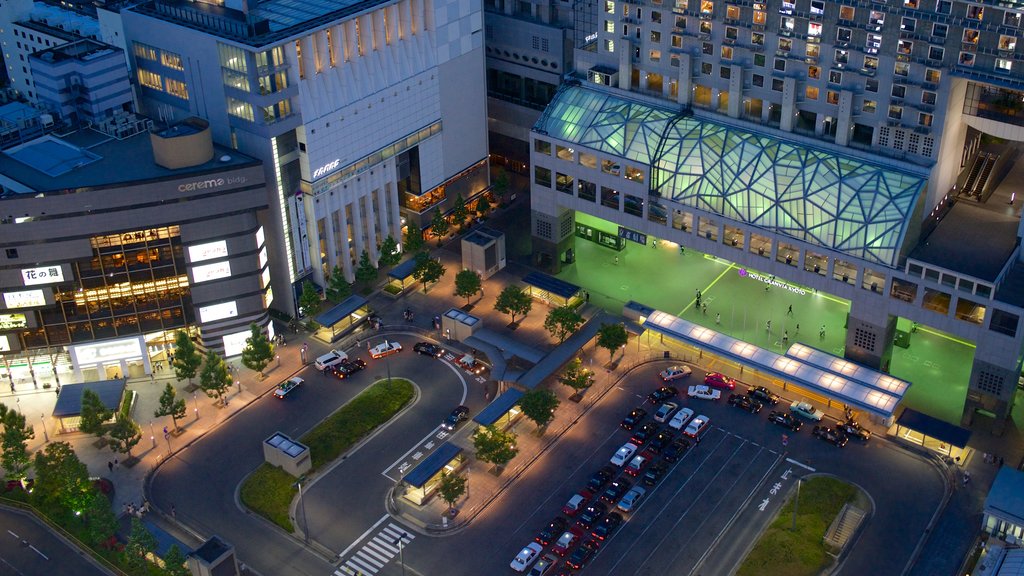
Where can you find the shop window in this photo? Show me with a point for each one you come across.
(873, 281)
(845, 272)
(633, 205)
(542, 147)
(708, 228)
(682, 220)
(1004, 322)
(610, 167)
(609, 197)
(588, 160)
(586, 190)
(634, 174)
(760, 245)
(563, 153)
(542, 176)
(903, 290)
(814, 262)
(563, 183)
(788, 254)
(936, 301)
(969, 311)
(733, 237)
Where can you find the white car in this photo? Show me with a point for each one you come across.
(665, 412)
(697, 426)
(704, 392)
(330, 360)
(284, 388)
(681, 418)
(632, 498)
(622, 455)
(806, 410)
(526, 557)
(675, 373)
(385, 348)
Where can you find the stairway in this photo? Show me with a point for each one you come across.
(986, 171)
(844, 526)
(972, 176)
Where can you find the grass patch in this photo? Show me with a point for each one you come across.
(392, 289)
(783, 552)
(269, 490)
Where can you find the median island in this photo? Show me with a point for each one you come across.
(269, 490)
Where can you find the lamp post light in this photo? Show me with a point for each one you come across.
(278, 360)
(302, 507)
(401, 549)
(796, 503)
(195, 402)
(152, 435)
(387, 364)
(46, 437)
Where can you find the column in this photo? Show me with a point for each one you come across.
(788, 104)
(624, 48)
(405, 19)
(844, 124)
(344, 259)
(869, 332)
(365, 34)
(993, 380)
(351, 46)
(735, 106)
(337, 46)
(419, 16)
(391, 34)
(323, 59)
(377, 17)
(306, 64)
(684, 94)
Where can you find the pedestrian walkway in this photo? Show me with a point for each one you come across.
(378, 551)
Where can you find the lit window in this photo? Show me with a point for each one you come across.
(842, 57)
(975, 12)
(932, 76)
(928, 98)
(811, 92)
(814, 72)
(732, 12)
(869, 106)
(817, 7)
(240, 109)
(835, 77)
(901, 69)
(814, 29)
(813, 50)
(759, 17)
(910, 4)
(1007, 43)
(727, 52)
(785, 44)
(655, 36)
(896, 112)
(1004, 65)
(177, 88)
(705, 28)
(904, 47)
(787, 24)
(924, 119)
(677, 41)
(609, 26)
(150, 79)
(707, 7)
(966, 59)
(609, 7)
(609, 46)
(832, 97)
(847, 12)
(171, 60)
(876, 18)
(872, 43)
(757, 38)
(870, 63)
(655, 55)
(971, 36)
(787, 7)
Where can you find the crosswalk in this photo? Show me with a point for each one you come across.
(377, 552)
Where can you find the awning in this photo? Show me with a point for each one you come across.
(432, 465)
(69, 401)
(934, 428)
(403, 270)
(334, 315)
(551, 284)
(501, 405)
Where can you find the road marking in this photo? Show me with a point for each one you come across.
(800, 464)
(376, 552)
(401, 464)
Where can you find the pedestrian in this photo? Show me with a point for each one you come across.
(131, 508)
(682, 250)
(768, 326)
(821, 333)
(766, 287)
(586, 294)
(797, 329)
(785, 336)
(115, 462)
(110, 465)
(718, 318)
(173, 512)
(12, 387)
(704, 308)
(616, 260)
(967, 477)
(790, 311)
(985, 456)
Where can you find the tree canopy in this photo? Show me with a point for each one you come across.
(611, 337)
(15, 457)
(562, 321)
(439, 226)
(467, 284)
(94, 415)
(214, 378)
(428, 270)
(170, 405)
(451, 488)
(186, 358)
(413, 237)
(389, 253)
(494, 446)
(125, 435)
(513, 301)
(309, 300)
(338, 288)
(366, 272)
(258, 351)
(539, 406)
(576, 376)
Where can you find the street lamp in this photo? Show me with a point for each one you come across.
(387, 364)
(796, 503)
(302, 506)
(401, 549)
(42, 418)
(195, 402)
(152, 435)
(278, 360)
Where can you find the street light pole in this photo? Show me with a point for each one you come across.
(42, 418)
(387, 364)
(195, 402)
(152, 435)
(796, 503)
(401, 550)
(305, 521)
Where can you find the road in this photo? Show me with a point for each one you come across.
(27, 548)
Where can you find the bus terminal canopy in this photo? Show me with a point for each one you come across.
(837, 378)
(558, 292)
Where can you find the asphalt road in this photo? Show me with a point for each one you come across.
(201, 482)
(27, 548)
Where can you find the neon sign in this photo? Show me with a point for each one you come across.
(771, 281)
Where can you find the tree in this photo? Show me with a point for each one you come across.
(186, 358)
(413, 237)
(459, 211)
(309, 300)
(494, 446)
(451, 488)
(500, 184)
(338, 288)
(611, 337)
(15, 457)
(562, 321)
(576, 376)
(483, 205)
(100, 521)
(389, 252)
(467, 284)
(258, 351)
(513, 301)
(366, 272)
(439, 226)
(125, 435)
(174, 562)
(140, 543)
(428, 270)
(171, 405)
(94, 415)
(214, 378)
(539, 406)
(62, 478)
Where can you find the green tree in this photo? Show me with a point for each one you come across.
(14, 442)
(309, 300)
(562, 321)
(174, 562)
(428, 270)
(61, 478)
(439, 226)
(140, 543)
(389, 252)
(459, 211)
(366, 272)
(94, 415)
(171, 405)
(214, 378)
(413, 237)
(513, 301)
(338, 288)
(125, 435)
(500, 184)
(186, 358)
(539, 406)
(451, 488)
(576, 376)
(494, 446)
(100, 521)
(467, 284)
(483, 205)
(258, 351)
(611, 337)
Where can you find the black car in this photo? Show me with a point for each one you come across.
(428, 349)
(607, 526)
(832, 436)
(581, 555)
(645, 433)
(654, 473)
(675, 450)
(615, 491)
(553, 530)
(745, 402)
(662, 394)
(347, 367)
(763, 395)
(600, 478)
(459, 414)
(853, 429)
(590, 514)
(786, 419)
(633, 418)
(659, 442)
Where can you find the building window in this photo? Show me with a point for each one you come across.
(610, 167)
(758, 80)
(707, 7)
(817, 7)
(967, 59)
(928, 98)
(759, 60)
(177, 88)
(727, 52)
(842, 57)
(971, 36)
(924, 119)
(814, 29)
(908, 24)
(542, 176)
(847, 12)
(171, 60)
(899, 91)
(240, 109)
(1011, 19)
(785, 44)
(609, 26)
(144, 51)
(904, 47)
(835, 77)
(780, 65)
(232, 58)
(705, 27)
(814, 72)
(844, 35)
(707, 48)
(588, 160)
(609, 7)
(812, 50)
(1007, 43)
(732, 33)
(655, 36)
(895, 112)
(872, 43)
(777, 84)
(586, 190)
(932, 76)
(725, 72)
(732, 12)
(759, 17)
(901, 69)
(811, 92)
(936, 53)
(870, 63)
(542, 147)
(654, 55)
(706, 68)
(757, 38)
(944, 7)
(871, 85)
(1004, 65)
(876, 19)
(910, 4)
(869, 106)
(940, 30)
(150, 79)
(832, 97)
(975, 12)
(787, 25)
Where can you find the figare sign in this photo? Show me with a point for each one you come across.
(771, 281)
(326, 168)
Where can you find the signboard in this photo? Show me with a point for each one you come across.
(43, 275)
(326, 169)
(211, 272)
(268, 297)
(632, 235)
(235, 343)
(218, 312)
(5, 344)
(771, 281)
(90, 354)
(13, 321)
(24, 299)
(263, 258)
(265, 277)
(208, 251)
(260, 237)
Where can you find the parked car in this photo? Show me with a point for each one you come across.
(346, 368)
(428, 349)
(805, 410)
(385, 348)
(675, 373)
(470, 364)
(565, 541)
(329, 360)
(581, 555)
(552, 530)
(763, 395)
(623, 454)
(675, 450)
(633, 418)
(285, 388)
(853, 429)
(644, 433)
(681, 418)
(659, 442)
(526, 557)
(719, 380)
(632, 499)
(786, 419)
(590, 515)
(745, 402)
(600, 478)
(703, 392)
(665, 411)
(654, 473)
(615, 491)
(636, 465)
(831, 435)
(607, 526)
(544, 565)
(662, 394)
(697, 427)
(459, 414)
(577, 502)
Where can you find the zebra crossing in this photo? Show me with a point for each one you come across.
(377, 552)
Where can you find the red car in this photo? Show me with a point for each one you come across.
(719, 380)
(577, 502)
(566, 541)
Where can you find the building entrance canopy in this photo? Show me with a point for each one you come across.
(840, 379)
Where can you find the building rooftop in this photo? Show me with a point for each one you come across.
(84, 50)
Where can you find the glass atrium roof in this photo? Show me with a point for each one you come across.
(818, 196)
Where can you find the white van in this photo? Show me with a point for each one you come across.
(330, 360)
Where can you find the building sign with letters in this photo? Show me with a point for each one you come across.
(13, 321)
(207, 251)
(24, 299)
(260, 237)
(632, 235)
(208, 272)
(90, 354)
(218, 312)
(42, 275)
(772, 281)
